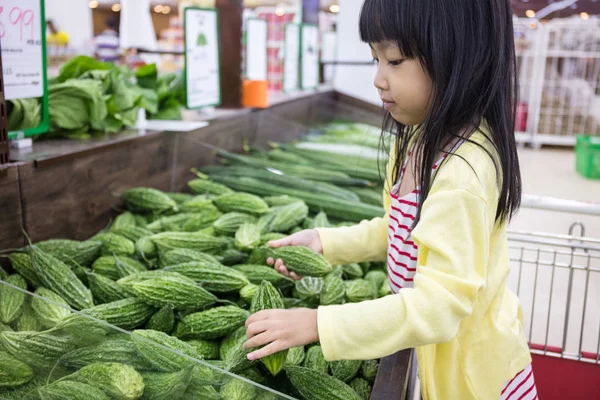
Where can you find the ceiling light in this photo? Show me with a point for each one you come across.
(93, 4)
(334, 8)
(280, 11)
(166, 10)
(158, 8)
(530, 13)
(116, 7)
(584, 15)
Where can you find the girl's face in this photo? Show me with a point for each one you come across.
(404, 86)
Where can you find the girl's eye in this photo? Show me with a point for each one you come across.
(395, 63)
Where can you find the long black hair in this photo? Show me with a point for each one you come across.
(467, 48)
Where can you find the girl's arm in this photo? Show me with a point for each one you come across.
(366, 241)
(453, 237)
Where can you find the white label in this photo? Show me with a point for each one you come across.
(291, 61)
(310, 56)
(256, 50)
(202, 58)
(22, 55)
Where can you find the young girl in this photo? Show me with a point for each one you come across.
(446, 76)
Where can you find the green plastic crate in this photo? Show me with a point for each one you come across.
(587, 156)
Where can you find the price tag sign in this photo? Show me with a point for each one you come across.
(310, 56)
(202, 69)
(291, 60)
(256, 49)
(22, 50)
(23, 44)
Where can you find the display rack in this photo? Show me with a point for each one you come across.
(559, 74)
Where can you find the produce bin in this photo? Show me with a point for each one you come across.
(97, 175)
(587, 154)
(86, 357)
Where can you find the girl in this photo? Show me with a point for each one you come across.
(446, 76)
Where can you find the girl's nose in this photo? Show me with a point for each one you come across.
(380, 82)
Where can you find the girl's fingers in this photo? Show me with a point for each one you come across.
(286, 241)
(269, 349)
(279, 266)
(295, 276)
(283, 269)
(259, 316)
(256, 328)
(270, 261)
(259, 340)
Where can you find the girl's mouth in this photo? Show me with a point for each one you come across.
(388, 104)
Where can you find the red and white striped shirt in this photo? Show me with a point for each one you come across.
(402, 267)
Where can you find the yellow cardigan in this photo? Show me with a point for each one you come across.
(464, 322)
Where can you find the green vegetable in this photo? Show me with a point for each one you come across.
(362, 388)
(119, 381)
(302, 260)
(267, 298)
(214, 278)
(315, 385)
(166, 386)
(163, 320)
(247, 236)
(345, 370)
(71, 390)
(181, 292)
(164, 359)
(242, 203)
(316, 360)
(12, 300)
(58, 277)
(206, 349)
(122, 351)
(295, 356)
(369, 370)
(13, 372)
(51, 311)
(214, 323)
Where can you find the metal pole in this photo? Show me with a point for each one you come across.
(4, 146)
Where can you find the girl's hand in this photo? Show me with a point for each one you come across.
(279, 330)
(308, 237)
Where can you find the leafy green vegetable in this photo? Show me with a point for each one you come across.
(23, 114)
(91, 96)
(74, 104)
(147, 75)
(79, 65)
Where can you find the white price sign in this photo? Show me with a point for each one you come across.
(22, 50)
(291, 61)
(256, 49)
(310, 56)
(203, 87)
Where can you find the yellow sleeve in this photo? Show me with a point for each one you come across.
(453, 238)
(366, 241)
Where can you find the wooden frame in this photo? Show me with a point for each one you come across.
(74, 194)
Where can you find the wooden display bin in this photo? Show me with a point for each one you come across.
(68, 189)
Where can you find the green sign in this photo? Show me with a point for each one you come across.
(202, 65)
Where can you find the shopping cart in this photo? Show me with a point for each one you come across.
(557, 279)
